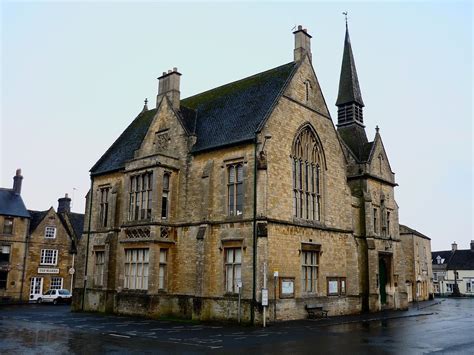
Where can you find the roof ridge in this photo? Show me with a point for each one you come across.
(236, 81)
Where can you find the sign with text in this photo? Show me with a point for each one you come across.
(264, 297)
(48, 270)
(287, 287)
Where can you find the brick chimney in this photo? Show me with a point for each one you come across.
(302, 44)
(168, 84)
(454, 247)
(17, 179)
(64, 204)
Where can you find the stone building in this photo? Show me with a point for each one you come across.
(52, 246)
(453, 267)
(14, 222)
(37, 248)
(419, 274)
(199, 196)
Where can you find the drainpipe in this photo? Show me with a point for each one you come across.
(27, 238)
(254, 291)
(91, 195)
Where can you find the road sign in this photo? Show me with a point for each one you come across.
(264, 297)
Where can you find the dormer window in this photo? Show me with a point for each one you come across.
(439, 260)
(50, 232)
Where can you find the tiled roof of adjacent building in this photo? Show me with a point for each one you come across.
(407, 230)
(77, 222)
(461, 259)
(11, 204)
(226, 115)
(36, 218)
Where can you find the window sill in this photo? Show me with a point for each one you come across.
(307, 222)
(234, 218)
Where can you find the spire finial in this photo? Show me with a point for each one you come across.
(345, 15)
(145, 107)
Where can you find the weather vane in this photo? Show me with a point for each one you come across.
(345, 14)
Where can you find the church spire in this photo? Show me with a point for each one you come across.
(349, 99)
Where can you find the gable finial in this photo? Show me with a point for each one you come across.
(145, 107)
(377, 129)
(345, 15)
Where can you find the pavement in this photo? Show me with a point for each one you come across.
(439, 326)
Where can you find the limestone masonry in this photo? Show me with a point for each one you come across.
(200, 196)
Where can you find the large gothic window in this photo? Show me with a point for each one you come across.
(307, 175)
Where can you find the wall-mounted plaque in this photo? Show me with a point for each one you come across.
(287, 287)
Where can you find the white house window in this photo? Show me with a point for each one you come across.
(136, 269)
(307, 178)
(50, 232)
(49, 257)
(56, 283)
(99, 268)
(140, 202)
(449, 287)
(469, 286)
(162, 276)
(235, 193)
(309, 271)
(233, 266)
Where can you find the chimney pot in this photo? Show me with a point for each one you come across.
(17, 179)
(169, 71)
(300, 27)
(454, 246)
(472, 245)
(175, 69)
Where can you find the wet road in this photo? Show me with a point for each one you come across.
(444, 328)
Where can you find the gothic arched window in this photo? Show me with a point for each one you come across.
(307, 175)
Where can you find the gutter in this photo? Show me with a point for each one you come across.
(88, 240)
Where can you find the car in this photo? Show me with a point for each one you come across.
(55, 296)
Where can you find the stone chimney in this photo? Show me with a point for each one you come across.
(302, 44)
(168, 84)
(64, 204)
(454, 247)
(17, 179)
(472, 245)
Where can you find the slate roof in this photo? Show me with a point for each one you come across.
(356, 140)
(232, 113)
(349, 90)
(77, 222)
(407, 230)
(11, 204)
(36, 218)
(461, 259)
(226, 115)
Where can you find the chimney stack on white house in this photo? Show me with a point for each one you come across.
(168, 84)
(17, 179)
(454, 246)
(302, 44)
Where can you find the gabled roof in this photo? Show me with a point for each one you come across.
(461, 259)
(349, 90)
(36, 218)
(226, 115)
(407, 230)
(232, 113)
(11, 204)
(77, 222)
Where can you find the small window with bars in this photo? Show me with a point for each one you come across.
(50, 232)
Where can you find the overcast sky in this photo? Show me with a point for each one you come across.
(74, 75)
